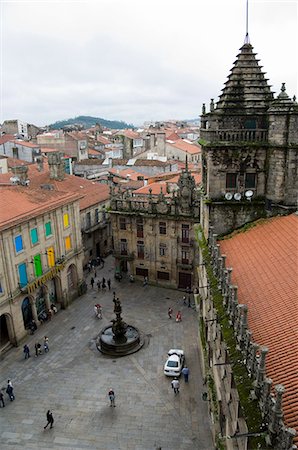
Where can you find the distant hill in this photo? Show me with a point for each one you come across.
(89, 121)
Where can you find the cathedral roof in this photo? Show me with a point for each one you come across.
(247, 89)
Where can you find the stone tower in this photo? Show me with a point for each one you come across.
(249, 149)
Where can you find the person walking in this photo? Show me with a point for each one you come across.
(109, 284)
(26, 351)
(185, 373)
(46, 344)
(178, 316)
(92, 282)
(50, 420)
(33, 326)
(145, 282)
(111, 395)
(2, 399)
(114, 296)
(170, 312)
(37, 347)
(175, 385)
(98, 285)
(9, 391)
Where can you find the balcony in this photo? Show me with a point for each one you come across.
(185, 241)
(123, 255)
(184, 264)
(241, 135)
(90, 227)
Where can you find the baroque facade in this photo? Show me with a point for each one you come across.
(153, 235)
(249, 145)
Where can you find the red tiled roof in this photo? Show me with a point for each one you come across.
(103, 140)
(265, 268)
(24, 143)
(126, 173)
(6, 138)
(91, 192)
(155, 188)
(186, 146)
(19, 203)
(130, 134)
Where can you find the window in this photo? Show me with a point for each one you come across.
(140, 227)
(104, 216)
(1, 288)
(185, 233)
(122, 223)
(18, 243)
(67, 244)
(140, 249)
(34, 236)
(66, 220)
(88, 220)
(37, 265)
(48, 229)
(162, 228)
(51, 256)
(250, 180)
(163, 275)
(23, 279)
(123, 247)
(231, 180)
(96, 215)
(185, 256)
(162, 249)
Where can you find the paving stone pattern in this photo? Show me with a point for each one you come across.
(73, 379)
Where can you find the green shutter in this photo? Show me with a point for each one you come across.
(48, 229)
(37, 266)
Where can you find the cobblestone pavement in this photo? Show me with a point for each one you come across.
(74, 377)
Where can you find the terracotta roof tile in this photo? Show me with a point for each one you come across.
(265, 268)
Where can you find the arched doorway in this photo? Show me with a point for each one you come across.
(4, 336)
(27, 312)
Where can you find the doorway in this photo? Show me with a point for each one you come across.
(184, 280)
(27, 312)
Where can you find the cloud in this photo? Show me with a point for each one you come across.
(134, 60)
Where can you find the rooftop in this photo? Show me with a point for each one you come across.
(264, 261)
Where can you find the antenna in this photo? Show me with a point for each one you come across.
(248, 194)
(237, 196)
(228, 196)
(246, 40)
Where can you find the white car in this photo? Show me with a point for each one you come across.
(174, 363)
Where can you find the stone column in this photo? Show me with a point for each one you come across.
(33, 309)
(261, 373)
(274, 425)
(251, 359)
(243, 326)
(266, 398)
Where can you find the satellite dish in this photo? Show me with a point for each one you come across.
(248, 194)
(237, 196)
(228, 196)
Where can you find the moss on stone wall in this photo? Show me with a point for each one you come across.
(250, 408)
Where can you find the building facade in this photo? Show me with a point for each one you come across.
(249, 145)
(40, 258)
(153, 236)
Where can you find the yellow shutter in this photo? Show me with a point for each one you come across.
(67, 243)
(51, 256)
(66, 220)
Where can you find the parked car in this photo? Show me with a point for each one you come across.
(174, 363)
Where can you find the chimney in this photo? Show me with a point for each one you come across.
(56, 166)
(21, 172)
(39, 161)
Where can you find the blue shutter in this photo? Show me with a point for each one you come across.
(18, 242)
(23, 274)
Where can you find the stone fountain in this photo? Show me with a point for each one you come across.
(119, 339)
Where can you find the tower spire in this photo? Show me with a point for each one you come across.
(246, 40)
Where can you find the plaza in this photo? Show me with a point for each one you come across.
(73, 379)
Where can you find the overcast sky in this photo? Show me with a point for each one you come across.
(135, 60)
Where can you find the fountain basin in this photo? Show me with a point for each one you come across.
(130, 342)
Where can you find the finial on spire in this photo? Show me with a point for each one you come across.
(283, 87)
(246, 40)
